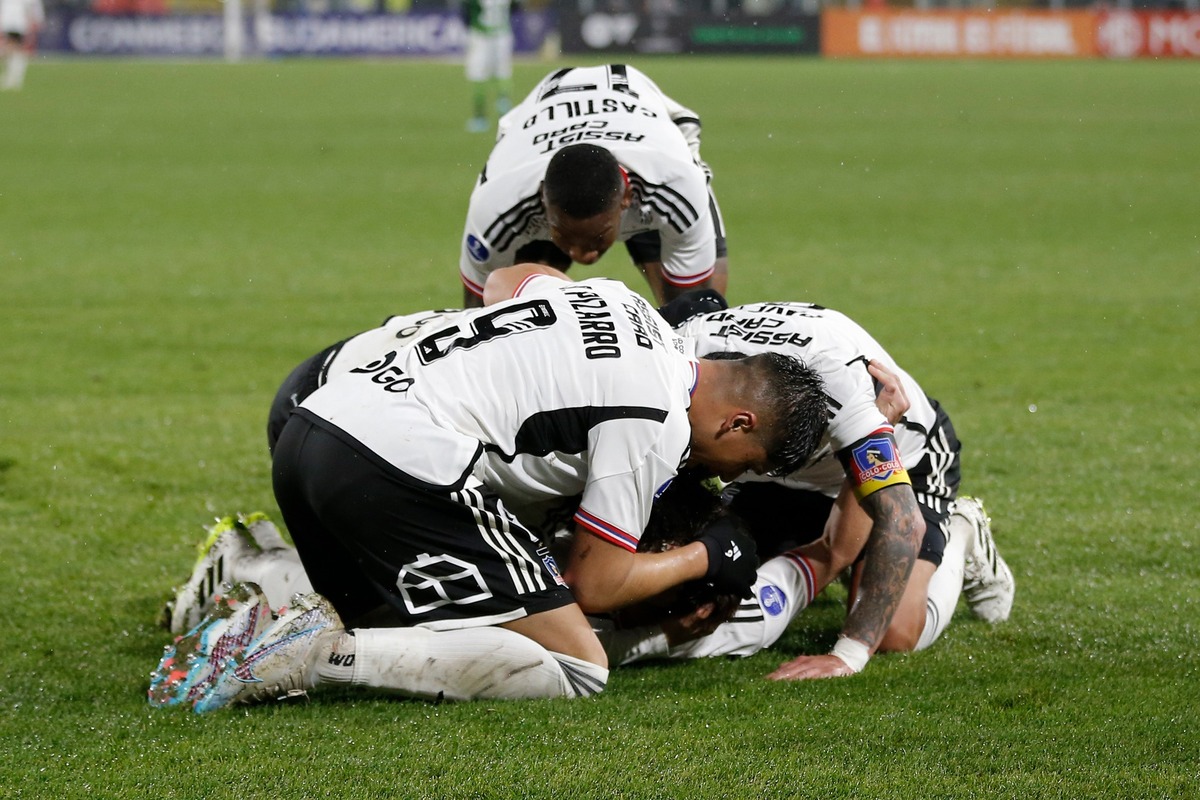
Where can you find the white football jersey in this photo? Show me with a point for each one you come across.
(567, 389)
(783, 588)
(616, 107)
(838, 349)
(370, 345)
(18, 16)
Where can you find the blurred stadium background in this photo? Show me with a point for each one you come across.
(431, 28)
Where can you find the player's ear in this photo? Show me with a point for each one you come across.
(627, 194)
(741, 421)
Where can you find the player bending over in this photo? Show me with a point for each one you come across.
(593, 156)
(412, 489)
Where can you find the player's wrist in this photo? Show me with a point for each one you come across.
(852, 652)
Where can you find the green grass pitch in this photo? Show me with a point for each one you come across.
(1024, 237)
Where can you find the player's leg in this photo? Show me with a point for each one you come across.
(452, 563)
(927, 606)
(16, 60)
(502, 71)
(476, 62)
(547, 654)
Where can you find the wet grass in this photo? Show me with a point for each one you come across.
(1024, 237)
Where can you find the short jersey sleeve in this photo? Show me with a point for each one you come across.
(617, 498)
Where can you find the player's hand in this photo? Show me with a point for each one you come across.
(806, 668)
(891, 401)
(732, 558)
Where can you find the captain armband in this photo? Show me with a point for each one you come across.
(873, 463)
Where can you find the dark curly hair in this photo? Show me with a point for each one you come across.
(678, 517)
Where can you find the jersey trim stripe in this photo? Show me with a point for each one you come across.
(512, 223)
(806, 572)
(606, 531)
(525, 282)
(669, 203)
(675, 280)
(566, 430)
(473, 287)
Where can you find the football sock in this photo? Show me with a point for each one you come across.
(479, 100)
(503, 92)
(946, 584)
(465, 664)
(14, 72)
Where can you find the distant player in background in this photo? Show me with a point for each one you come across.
(489, 53)
(593, 156)
(20, 21)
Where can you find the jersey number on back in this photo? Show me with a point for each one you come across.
(506, 321)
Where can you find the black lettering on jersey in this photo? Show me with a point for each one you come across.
(589, 136)
(595, 323)
(645, 332)
(750, 330)
(384, 373)
(415, 328)
(553, 85)
(506, 320)
(618, 79)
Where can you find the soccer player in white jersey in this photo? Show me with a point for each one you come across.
(488, 56)
(596, 155)
(249, 548)
(410, 483)
(904, 477)
(20, 21)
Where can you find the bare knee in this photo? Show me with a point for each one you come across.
(901, 638)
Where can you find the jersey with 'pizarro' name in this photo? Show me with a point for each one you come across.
(567, 389)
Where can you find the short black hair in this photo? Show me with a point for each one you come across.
(800, 406)
(583, 180)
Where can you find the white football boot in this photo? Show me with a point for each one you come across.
(228, 540)
(988, 583)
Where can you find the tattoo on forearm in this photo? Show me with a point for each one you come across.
(888, 561)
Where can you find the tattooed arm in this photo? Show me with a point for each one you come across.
(888, 558)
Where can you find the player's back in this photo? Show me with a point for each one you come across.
(838, 348)
(614, 106)
(533, 375)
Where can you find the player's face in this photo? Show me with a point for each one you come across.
(584, 240)
(730, 456)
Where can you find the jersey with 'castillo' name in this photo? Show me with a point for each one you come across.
(620, 109)
(566, 389)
